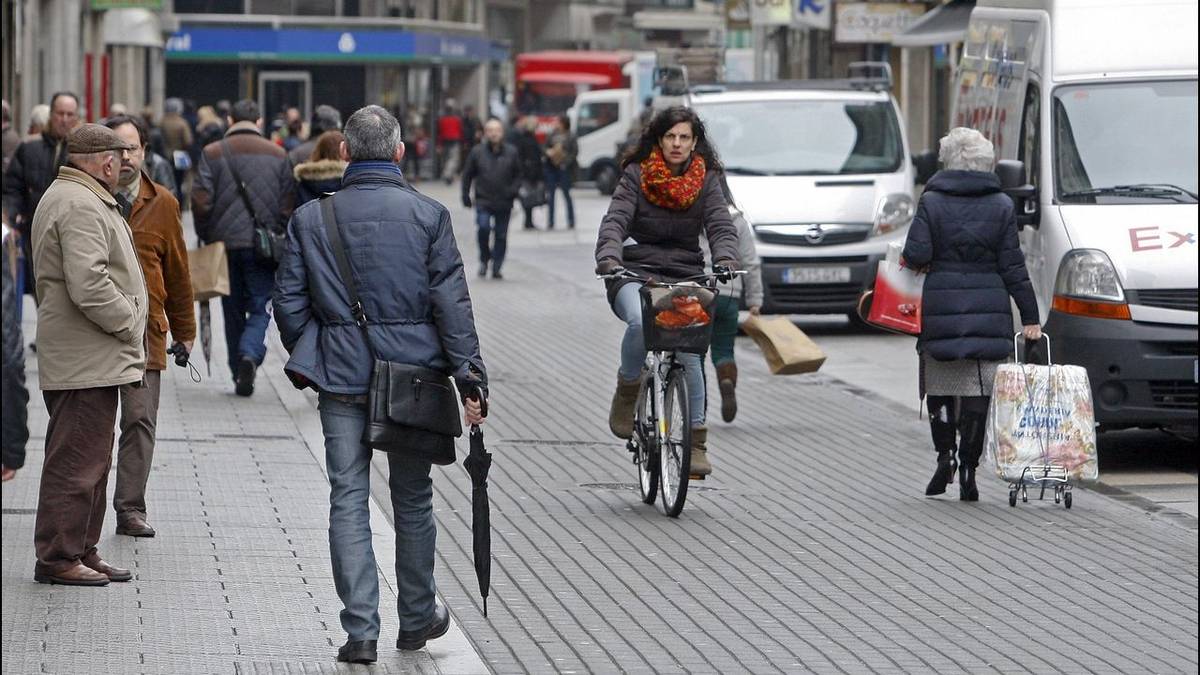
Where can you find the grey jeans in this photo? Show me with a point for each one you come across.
(135, 450)
(355, 575)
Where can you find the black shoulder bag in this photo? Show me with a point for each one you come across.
(410, 409)
(269, 243)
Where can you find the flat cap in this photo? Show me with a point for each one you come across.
(89, 138)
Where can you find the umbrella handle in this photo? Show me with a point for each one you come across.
(476, 394)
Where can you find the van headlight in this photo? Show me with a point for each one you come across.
(1088, 273)
(893, 212)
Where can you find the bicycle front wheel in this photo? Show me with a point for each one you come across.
(675, 448)
(644, 436)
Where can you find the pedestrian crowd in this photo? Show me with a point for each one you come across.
(321, 228)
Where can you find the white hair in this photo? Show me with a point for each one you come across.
(966, 149)
(40, 115)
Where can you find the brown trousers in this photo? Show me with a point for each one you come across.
(135, 449)
(71, 506)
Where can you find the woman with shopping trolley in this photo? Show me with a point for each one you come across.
(668, 194)
(965, 236)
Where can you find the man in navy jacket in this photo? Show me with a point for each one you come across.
(409, 276)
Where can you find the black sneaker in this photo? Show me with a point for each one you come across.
(359, 651)
(483, 272)
(415, 639)
(496, 275)
(244, 382)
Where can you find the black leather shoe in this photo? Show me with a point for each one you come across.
(967, 490)
(943, 476)
(415, 639)
(358, 651)
(244, 383)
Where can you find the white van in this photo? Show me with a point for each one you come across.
(821, 171)
(1098, 99)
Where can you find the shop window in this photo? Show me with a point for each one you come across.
(315, 7)
(283, 7)
(209, 6)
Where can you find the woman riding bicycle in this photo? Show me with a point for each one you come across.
(670, 192)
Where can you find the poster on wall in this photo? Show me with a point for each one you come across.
(874, 21)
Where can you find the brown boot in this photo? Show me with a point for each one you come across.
(727, 382)
(620, 415)
(700, 463)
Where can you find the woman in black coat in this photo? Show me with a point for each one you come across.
(322, 173)
(965, 236)
(670, 193)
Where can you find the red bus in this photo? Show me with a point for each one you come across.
(547, 82)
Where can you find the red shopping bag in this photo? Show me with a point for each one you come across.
(895, 304)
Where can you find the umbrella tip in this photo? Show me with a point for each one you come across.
(485, 608)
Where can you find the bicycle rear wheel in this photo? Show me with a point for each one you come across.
(675, 448)
(646, 456)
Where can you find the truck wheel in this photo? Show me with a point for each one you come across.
(606, 179)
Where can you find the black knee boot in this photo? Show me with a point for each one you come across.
(971, 427)
(942, 427)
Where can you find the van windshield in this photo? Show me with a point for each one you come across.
(804, 137)
(1125, 143)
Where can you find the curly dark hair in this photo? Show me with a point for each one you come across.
(658, 127)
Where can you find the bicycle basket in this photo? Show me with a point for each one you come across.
(678, 318)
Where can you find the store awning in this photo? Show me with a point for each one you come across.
(943, 25)
(131, 26)
(565, 77)
(676, 20)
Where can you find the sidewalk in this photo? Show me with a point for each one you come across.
(238, 578)
(810, 549)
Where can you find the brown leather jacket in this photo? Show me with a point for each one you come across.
(158, 238)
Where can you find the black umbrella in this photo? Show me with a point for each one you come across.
(478, 463)
(206, 333)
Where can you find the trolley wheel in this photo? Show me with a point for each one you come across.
(1012, 497)
(1024, 496)
(647, 456)
(1067, 500)
(675, 449)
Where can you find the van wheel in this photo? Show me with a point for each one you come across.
(606, 179)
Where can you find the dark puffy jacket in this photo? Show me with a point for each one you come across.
(217, 208)
(665, 244)
(314, 179)
(32, 169)
(965, 231)
(15, 397)
(160, 170)
(496, 175)
(529, 152)
(410, 279)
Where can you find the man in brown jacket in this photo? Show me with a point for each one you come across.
(91, 333)
(158, 237)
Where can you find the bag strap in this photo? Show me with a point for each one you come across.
(333, 231)
(227, 157)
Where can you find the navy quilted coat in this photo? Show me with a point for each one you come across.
(965, 231)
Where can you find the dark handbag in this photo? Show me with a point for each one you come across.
(268, 243)
(532, 194)
(410, 409)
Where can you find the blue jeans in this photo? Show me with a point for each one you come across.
(557, 179)
(355, 576)
(628, 306)
(245, 308)
(484, 222)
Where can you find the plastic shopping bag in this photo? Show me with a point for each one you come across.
(1039, 416)
(895, 303)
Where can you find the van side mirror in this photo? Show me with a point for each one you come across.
(1024, 195)
(925, 165)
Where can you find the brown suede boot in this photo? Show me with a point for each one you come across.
(700, 463)
(620, 414)
(727, 383)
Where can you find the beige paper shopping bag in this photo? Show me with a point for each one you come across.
(787, 349)
(210, 271)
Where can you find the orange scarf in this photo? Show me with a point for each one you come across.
(666, 190)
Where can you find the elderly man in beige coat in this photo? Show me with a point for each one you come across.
(91, 340)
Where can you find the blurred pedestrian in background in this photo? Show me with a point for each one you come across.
(748, 287)
(409, 277)
(450, 140)
(11, 138)
(32, 169)
(157, 145)
(529, 151)
(296, 133)
(965, 236)
(158, 239)
(209, 128)
(472, 129)
(91, 335)
(39, 120)
(494, 169)
(177, 141)
(219, 209)
(14, 422)
(324, 118)
(561, 150)
(323, 171)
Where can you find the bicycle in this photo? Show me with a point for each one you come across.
(661, 443)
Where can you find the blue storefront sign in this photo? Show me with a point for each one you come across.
(204, 43)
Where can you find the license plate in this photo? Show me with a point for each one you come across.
(816, 275)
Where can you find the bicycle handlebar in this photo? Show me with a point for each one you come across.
(623, 273)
